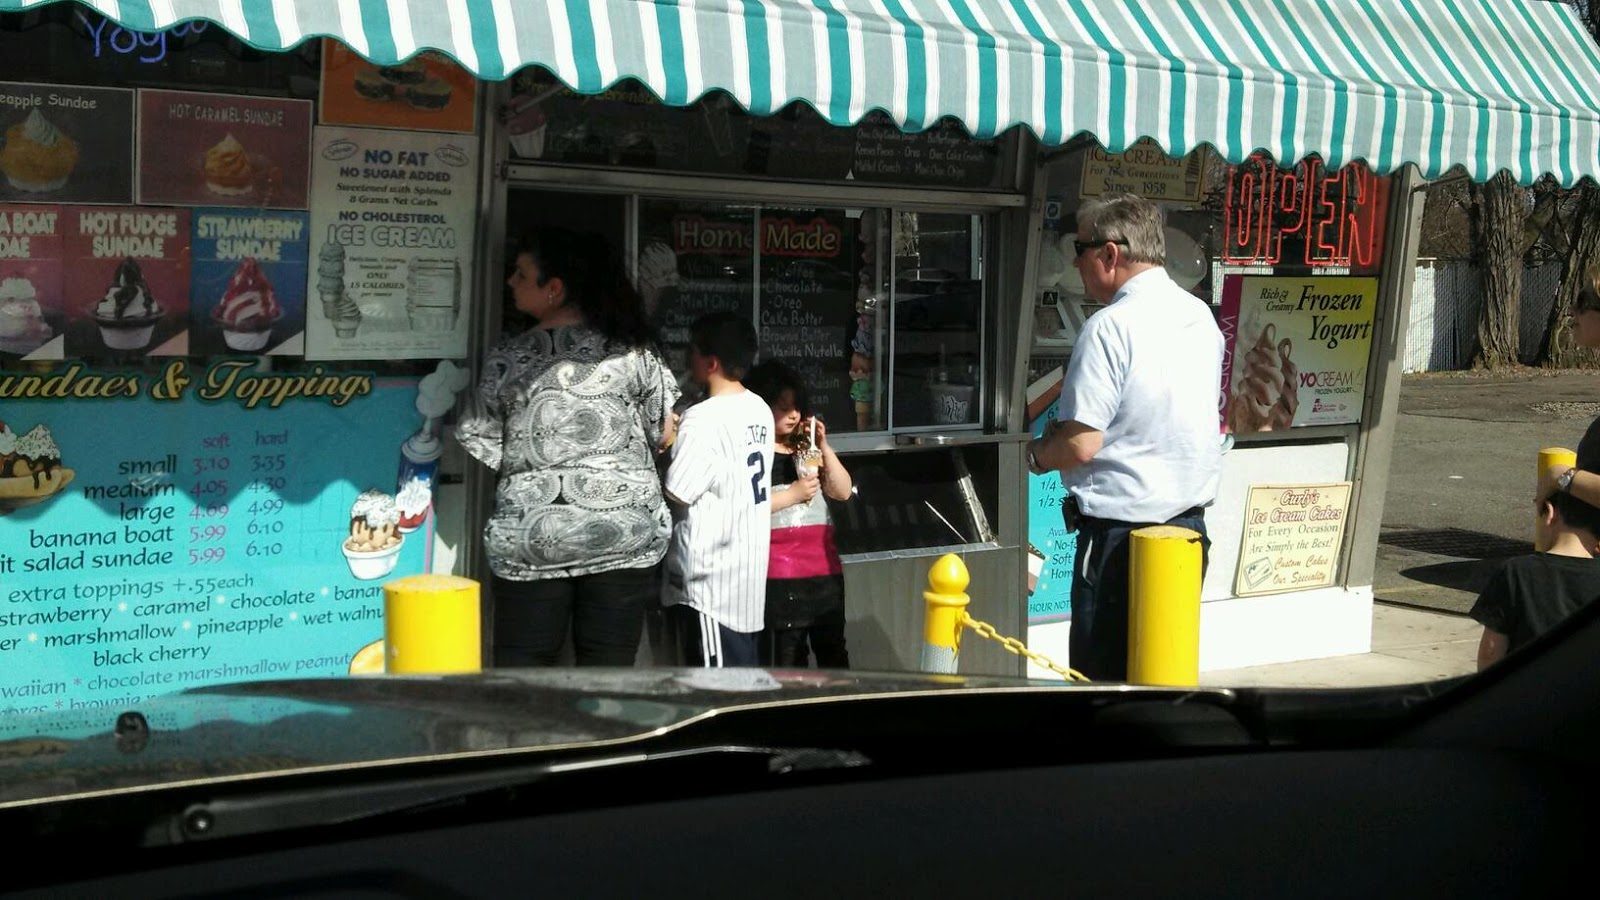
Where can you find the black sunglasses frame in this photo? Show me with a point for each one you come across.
(1083, 246)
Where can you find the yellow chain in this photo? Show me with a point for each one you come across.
(984, 629)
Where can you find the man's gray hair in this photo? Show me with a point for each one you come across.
(1126, 217)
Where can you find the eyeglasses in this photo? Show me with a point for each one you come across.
(1094, 244)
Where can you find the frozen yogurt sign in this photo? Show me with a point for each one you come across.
(1297, 351)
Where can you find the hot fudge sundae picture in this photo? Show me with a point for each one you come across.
(30, 467)
(128, 313)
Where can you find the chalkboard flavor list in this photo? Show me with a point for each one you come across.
(697, 259)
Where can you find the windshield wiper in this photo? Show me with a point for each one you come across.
(350, 802)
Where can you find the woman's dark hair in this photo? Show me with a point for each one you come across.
(768, 380)
(596, 282)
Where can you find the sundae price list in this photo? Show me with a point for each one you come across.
(242, 550)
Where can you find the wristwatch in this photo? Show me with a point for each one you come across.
(1563, 481)
(1033, 463)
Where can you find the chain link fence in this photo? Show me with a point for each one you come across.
(1446, 296)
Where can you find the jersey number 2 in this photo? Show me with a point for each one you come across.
(756, 487)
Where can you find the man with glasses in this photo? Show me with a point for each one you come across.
(1137, 441)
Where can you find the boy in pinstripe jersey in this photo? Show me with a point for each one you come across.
(719, 486)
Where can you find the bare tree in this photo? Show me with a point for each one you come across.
(1577, 240)
(1499, 209)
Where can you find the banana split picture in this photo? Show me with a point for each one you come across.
(1297, 351)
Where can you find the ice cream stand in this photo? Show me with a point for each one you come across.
(268, 262)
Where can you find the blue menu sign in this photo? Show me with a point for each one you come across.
(192, 527)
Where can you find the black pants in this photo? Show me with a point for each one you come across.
(604, 611)
(1098, 642)
(792, 648)
(705, 642)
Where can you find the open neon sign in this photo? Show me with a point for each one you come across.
(1337, 217)
(143, 46)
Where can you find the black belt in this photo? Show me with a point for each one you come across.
(1193, 512)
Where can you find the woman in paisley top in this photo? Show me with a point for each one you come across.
(571, 414)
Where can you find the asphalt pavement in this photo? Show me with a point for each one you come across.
(1460, 500)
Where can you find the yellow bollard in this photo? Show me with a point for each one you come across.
(947, 601)
(1164, 606)
(431, 625)
(1558, 458)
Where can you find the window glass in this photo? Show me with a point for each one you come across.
(938, 319)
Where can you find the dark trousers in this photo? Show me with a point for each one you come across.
(1098, 642)
(604, 611)
(705, 642)
(792, 648)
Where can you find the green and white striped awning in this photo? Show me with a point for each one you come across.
(1485, 84)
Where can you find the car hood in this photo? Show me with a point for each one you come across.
(268, 728)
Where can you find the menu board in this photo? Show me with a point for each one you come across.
(944, 154)
(222, 150)
(808, 305)
(1296, 350)
(65, 144)
(693, 260)
(629, 126)
(214, 541)
(392, 241)
(126, 281)
(428, 92)
(1292, 535)
(32, 306)
(1051, 548)
(247, 289)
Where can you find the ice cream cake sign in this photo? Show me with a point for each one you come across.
(211, 150)
(391, 241)
(1292, 535)
(248, 284)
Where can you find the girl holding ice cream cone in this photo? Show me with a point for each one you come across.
(805, 579)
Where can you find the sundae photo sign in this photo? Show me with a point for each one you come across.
(62, 144)
(219, 150)
(391, 242)
(126, 281)
(32, 304)
(247, 290)
(1296, 352)
(428, 92)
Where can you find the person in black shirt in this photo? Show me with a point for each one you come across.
(1534, 593)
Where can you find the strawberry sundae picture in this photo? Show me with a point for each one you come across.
(30, 468)
(248, 309)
